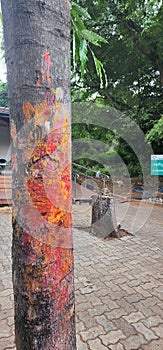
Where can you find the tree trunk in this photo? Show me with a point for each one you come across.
(104, 222)
(37, 50)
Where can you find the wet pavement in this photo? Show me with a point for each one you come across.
(118, 283)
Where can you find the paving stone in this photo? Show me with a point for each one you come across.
(154, 345)
(147, 312)
(80, 326)
(80, 297)
(5, 330)
(127, 289)
(7, 342)
(113, 287)
(147, 333)
(98, 310)
(10, 321)
(148, 302)
(92, 333)
(102, 292)
(116, 347)
(88, 320)
(88, 289)
(142, 291)
(116, 313)
(124, 326)
(99, 284)
(110, 303)
(158, 330)
(126, 305)
(119, 284)
(83, 306)
(134, 317)
(134, 342)
(80, 344)
(103, 321)
(6, 313)
(94, 300)
(112, 337)
(149, 285)
(6, 303)
(134, 283)
(152, 321)
(160, 304)
(121, 280)
(157, 292)
(157, 310)
(6, 292)
(117, 295)
(96, 345)
(134, 298)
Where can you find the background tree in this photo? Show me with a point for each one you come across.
(133, 62)
(116, 60)
(37, 49)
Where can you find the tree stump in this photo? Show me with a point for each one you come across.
(104, 223)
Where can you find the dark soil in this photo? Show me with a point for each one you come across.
(122, 233)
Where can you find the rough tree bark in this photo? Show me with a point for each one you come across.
(104, 223)
(37, 36)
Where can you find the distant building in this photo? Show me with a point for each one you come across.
(5, 153)
(5, 158)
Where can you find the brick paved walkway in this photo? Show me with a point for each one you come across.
(118, 283)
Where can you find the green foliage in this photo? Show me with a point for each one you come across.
(1, 38)
(3, 94)
(82, 38)
(93, 38)
(117, 61)
(156, 133)
(83, 50)
(100, 71)
(133, 61)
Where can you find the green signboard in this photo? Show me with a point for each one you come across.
(157, 164)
